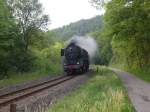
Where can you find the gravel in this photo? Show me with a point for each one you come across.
(39, 102)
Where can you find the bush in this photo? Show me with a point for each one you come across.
(49, 59)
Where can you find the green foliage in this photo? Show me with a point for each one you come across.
(127, 23)
(129, 26)
(142, 74)
(21, 22)
(7, 38)
(99, 4)
(17, 78)
(49, 59)
(104, 53)
(29, 17)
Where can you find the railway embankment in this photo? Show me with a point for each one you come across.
(16, 87)
(37, 98)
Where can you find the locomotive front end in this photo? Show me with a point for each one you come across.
(75, 59)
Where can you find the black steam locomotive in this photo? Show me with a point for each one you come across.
(75, 59)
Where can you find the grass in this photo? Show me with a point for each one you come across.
(142, 74)
(102, 93)
(21, 78)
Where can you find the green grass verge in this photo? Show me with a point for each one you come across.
(102, 93)
(21, 78)
(142, 74)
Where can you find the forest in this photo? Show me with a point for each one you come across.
(127, 26)
(26, 44)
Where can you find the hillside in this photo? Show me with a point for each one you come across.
(80, 28)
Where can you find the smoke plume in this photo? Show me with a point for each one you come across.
(87, 43)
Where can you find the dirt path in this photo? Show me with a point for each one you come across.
(138, 90)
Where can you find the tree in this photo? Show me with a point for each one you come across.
(29, 17)
(127, 22)
(7, 37)
(104, 52)
(99, 4)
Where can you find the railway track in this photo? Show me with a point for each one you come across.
(12, 97)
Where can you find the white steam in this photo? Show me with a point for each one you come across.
(87, 43)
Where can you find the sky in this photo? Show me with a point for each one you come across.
(63, 12)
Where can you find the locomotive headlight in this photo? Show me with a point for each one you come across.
(78, 63)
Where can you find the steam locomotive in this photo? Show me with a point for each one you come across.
(75, 59)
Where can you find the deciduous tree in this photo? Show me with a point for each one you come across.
(30, 17)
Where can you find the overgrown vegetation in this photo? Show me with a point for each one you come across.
(126, 33)
(25, 48)
(141, 74)
(102, 93)
(14, 78)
